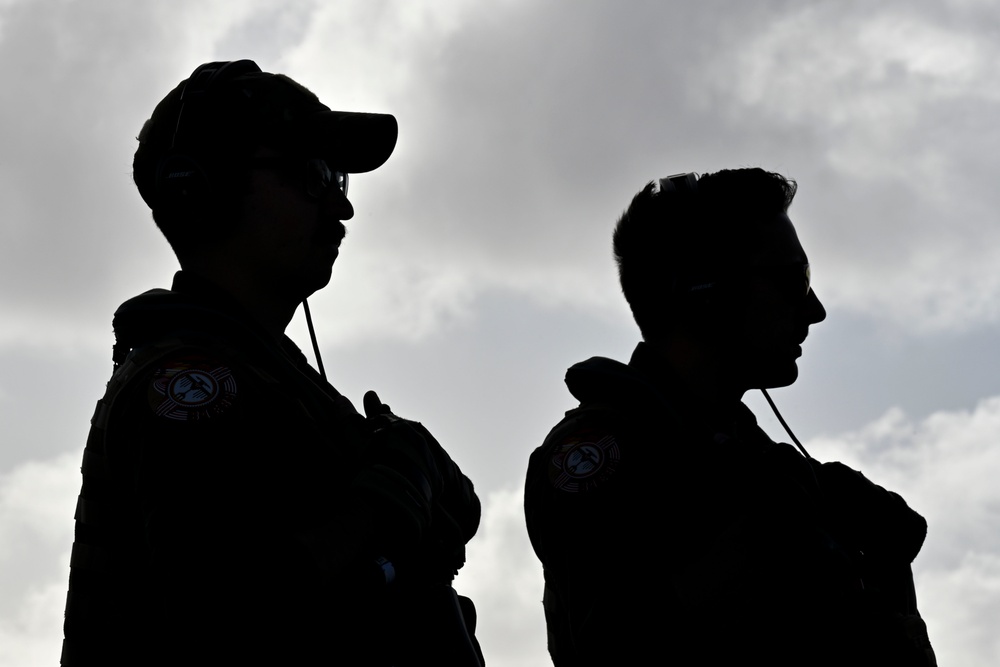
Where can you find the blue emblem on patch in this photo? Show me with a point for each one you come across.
(584, 461)
(191, 388)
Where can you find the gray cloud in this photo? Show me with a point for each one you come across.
(516, 161)
(478, 267)
(525, 132)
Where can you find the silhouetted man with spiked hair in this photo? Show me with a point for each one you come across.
(671, 529)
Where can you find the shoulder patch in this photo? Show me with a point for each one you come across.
(584, 460)
(191, 387)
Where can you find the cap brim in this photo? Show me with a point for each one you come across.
(354, 142)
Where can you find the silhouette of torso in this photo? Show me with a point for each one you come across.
(668, 530)
(213, 500)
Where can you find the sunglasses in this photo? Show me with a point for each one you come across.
(792, 279)
(317, 177)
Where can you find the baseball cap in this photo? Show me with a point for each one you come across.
(224, 111)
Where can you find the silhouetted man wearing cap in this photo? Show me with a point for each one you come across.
(235, 508)
(671, 529)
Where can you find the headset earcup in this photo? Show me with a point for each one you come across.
(181, 182)
(712, 308)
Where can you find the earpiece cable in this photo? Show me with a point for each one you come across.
(780, 419)
(319, 359)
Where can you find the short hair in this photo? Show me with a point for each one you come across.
(669, 241)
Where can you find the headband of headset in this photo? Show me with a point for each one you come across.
(182, 179)
(692, 285)
(687, 182)
(200, 84)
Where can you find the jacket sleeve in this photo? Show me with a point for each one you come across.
(601, 568)
(867, 516)
(879, 524)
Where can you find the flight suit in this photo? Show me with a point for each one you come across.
(672, 529)
(233, 509)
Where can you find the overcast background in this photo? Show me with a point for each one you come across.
(478, 265)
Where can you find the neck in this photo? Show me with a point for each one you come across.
(703, 374)
(263, 300)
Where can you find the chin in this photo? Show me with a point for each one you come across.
(783, 379)
(307, 290)
(773, 376)
(319, 279)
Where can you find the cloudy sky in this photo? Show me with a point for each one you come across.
(478, 265)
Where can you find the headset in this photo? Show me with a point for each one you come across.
(677, 186)
(686, 182)
(181, 179)
(686, 185)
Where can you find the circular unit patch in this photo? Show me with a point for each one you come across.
(192, 388)
(584, 461)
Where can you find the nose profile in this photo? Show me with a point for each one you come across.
(813, 308)
(347, 212)
(340, 206)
